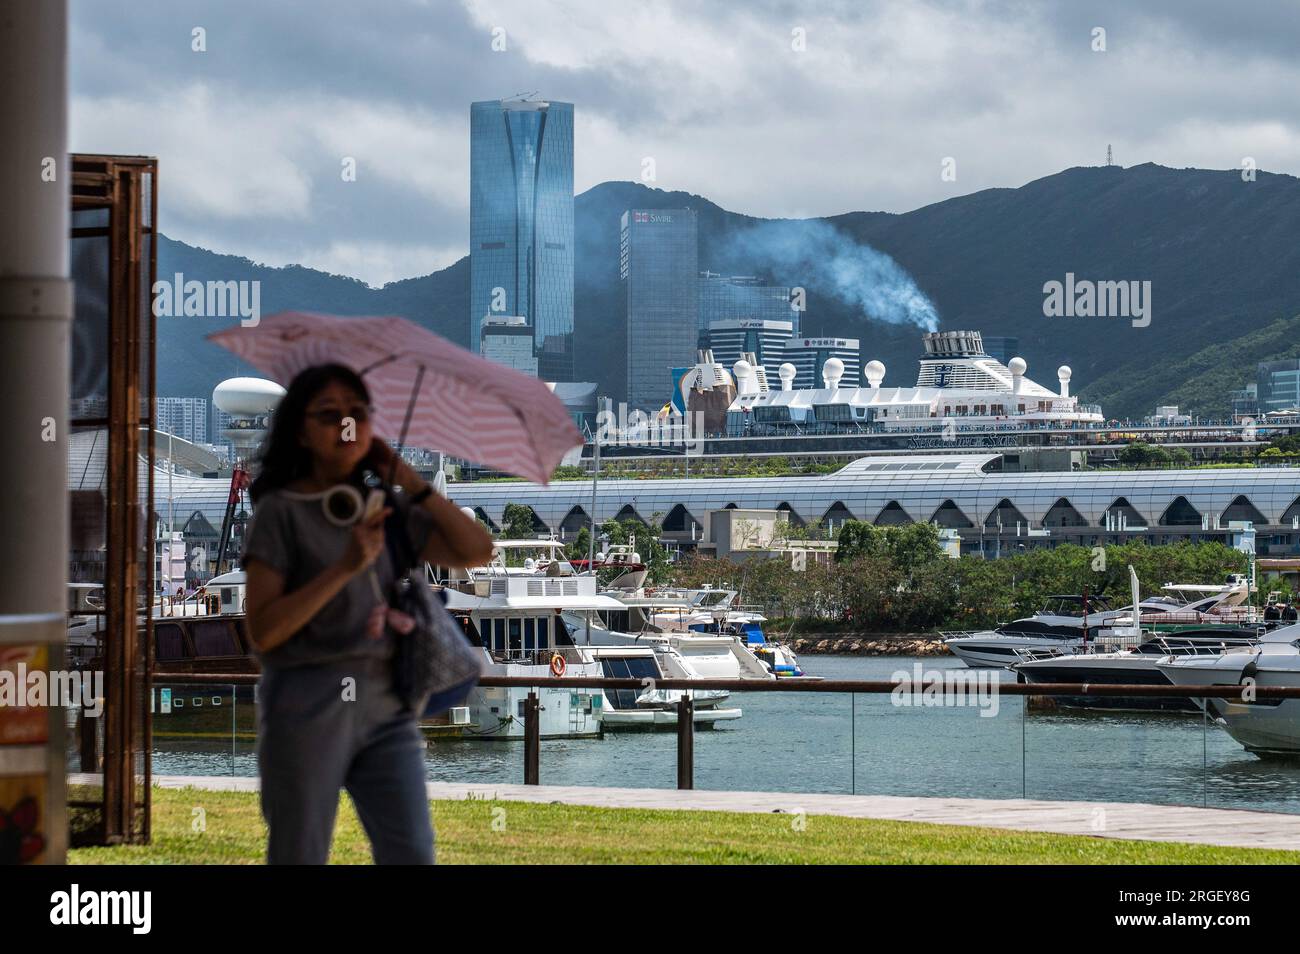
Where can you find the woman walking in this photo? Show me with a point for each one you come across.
(328, 715)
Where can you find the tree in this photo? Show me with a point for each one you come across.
(518, 522)
(857, 538)
(1139, 454)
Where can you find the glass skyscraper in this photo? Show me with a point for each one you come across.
(658, 263)
(521, 224)
(736, 297)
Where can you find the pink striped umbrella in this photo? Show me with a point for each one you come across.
(465, 405)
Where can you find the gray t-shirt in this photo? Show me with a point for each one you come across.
(290, 534)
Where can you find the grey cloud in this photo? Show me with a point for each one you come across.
(1014, 92)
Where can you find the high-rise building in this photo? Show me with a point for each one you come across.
(809, 355)
(1244, 402)
(508, 340)
(1001, 347)
(186, 417)
(733, 297)
(728, 339)
(1278, 385)
(521, 224)
(658, 263)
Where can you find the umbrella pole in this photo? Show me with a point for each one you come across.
(406, 422)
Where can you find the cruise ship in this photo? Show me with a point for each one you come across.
(958, 386)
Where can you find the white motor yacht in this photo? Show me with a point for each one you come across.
(1265, 727)
(1124, 653)
(1067, 623)
(659, 620)
(528, 612)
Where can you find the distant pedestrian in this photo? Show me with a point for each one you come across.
(328, 714)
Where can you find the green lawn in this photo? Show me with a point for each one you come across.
(504, 832)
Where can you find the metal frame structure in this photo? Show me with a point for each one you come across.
(126, 186)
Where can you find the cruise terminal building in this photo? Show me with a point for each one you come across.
(994, 512)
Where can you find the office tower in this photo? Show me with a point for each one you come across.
(521, 224)
(732, 297)
(658, 263)
(808, 355)
(1278, 385)
(728, 339)
(508, 340)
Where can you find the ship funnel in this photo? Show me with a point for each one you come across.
(875, 372)
(832, 371)
(787, 373)
(1017, 368)
(1063, 374)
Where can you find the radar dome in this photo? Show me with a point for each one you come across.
(1017, 365)
(247, 397)
(875, 371)
(1063, 373)
(832, 372)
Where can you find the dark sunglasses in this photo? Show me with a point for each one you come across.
(333, 417)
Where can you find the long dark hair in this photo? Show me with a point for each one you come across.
(282, 458)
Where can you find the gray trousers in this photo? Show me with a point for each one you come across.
(318, 733)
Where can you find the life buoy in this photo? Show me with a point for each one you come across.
(558, 665)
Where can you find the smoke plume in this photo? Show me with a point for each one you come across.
(818, 257)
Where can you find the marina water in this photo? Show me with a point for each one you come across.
(833, 743)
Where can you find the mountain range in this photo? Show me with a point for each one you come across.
(1222, 255)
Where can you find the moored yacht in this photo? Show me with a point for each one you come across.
(650, 707)
(1100, 664)
(1058, 627)
(515, 622)
(1265, 727)
(1069, 624)
(664, 618)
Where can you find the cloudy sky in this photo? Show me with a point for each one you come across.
(252, 133)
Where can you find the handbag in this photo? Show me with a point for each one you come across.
(434, 665)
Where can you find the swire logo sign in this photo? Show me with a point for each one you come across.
(651, 217)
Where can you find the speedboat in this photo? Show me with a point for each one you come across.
(715, 612)
(718, 640)
(1100, 664)
(650, 707)
(1068, 624)
(1265, 727)
(1060, 626)
(619, 566)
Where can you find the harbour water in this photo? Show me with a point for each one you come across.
(828, 742)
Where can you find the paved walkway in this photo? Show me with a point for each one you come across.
(1204, 826)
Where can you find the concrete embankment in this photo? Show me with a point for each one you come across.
(870, 644)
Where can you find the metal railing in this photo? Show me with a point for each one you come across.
(685, 710)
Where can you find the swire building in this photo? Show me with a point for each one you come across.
(521, 224)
